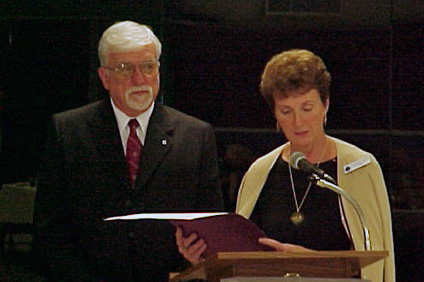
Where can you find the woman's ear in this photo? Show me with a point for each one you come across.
(327, 105)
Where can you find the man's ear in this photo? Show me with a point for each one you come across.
(104, 77)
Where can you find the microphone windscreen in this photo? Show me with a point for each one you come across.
(295, 158)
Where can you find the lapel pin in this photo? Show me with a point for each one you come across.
(164, 142)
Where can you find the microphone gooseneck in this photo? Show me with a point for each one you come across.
(321, 179)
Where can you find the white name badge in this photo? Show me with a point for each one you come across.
(356, 164)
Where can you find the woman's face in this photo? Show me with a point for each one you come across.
(301, 117)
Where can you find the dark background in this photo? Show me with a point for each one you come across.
(213, 55)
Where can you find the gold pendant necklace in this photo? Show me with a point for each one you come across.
(298, 217)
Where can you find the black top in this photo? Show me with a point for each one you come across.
(322, 228)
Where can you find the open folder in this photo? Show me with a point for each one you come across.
(222, 232)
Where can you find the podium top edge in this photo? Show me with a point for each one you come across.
(312, 254)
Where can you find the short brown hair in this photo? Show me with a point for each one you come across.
(295, 70)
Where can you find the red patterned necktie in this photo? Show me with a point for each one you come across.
(134, 149)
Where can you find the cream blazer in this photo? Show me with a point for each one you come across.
(360, 175)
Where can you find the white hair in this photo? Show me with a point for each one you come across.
(126, 36)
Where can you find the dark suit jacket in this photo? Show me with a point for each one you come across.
(84, 179)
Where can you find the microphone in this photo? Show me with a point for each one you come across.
(299, 161)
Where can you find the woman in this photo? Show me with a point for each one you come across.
(281, 200)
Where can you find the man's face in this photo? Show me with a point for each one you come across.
(134, 91)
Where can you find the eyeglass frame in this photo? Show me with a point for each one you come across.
(120, 67)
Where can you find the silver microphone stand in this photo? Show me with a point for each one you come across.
(325, 184)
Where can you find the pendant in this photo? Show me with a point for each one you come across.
(297, 218)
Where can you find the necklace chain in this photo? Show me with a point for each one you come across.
(298, 207)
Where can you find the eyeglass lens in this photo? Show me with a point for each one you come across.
(148, 68)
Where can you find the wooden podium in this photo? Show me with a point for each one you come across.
(319, 264)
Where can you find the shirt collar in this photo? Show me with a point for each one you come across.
(122, 119)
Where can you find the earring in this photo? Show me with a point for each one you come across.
(325, 120)
(278, 127)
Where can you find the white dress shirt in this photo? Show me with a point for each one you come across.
(122, 119)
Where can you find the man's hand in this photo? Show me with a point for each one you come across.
(190, 247)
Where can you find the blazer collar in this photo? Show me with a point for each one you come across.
(157, 144)
(108, 142)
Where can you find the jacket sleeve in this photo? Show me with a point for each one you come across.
(366, 185)
(386, 218)
(55, 250)
(210, 194)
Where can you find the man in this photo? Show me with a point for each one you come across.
(93, 170)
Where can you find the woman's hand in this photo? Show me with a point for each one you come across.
(283, 247)
(190, 247)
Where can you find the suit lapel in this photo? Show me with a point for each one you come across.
(157, 144)
(108, 144)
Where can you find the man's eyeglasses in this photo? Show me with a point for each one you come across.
(126, 70)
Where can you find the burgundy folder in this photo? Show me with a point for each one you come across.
(224, 233)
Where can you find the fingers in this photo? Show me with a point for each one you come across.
(283, 247)
(188, 242)
(190, 247)
(179, 237)
(273, 244)
(194, 252)
(184, 243)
